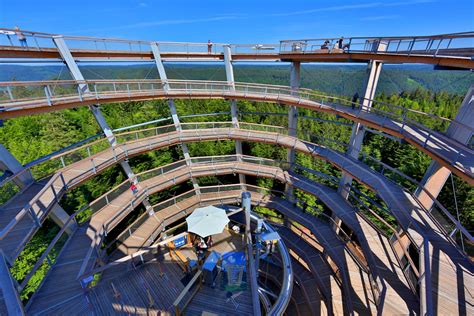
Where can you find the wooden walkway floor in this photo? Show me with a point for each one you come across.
(15, 240)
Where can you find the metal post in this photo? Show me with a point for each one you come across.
(292, 118)
(229, 71)
(460, 130)
(426, 296)
(358, 130)
(77, 75)
(164, 78)
(246, 205)
(9, 162)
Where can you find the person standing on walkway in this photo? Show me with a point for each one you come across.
(354, 100)
(21, 37)
(209, 46)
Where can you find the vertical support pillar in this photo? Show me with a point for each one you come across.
(426, 296)
(358, 131)
(246, 205)
(9, 162)
(77, 75)
(174, 113)
(59, 216)
(292, 118)
(229, 71)
(460, 130)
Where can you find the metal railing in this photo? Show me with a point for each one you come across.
(452, 45)
(392, 118)
(209, 162)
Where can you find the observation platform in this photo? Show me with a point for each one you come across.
(153, 286)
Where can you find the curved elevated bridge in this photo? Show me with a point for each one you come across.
(447, 50)
(394, 120)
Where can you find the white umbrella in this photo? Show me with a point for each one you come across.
(206, 221)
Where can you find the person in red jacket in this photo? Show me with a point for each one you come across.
(134, 188)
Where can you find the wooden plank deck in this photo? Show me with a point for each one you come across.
(60, 284)
(85, 169)
(11, 244)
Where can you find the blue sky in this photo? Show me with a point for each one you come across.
(238, 21)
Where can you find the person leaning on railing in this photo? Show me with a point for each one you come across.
(21, 37)
(209, 46)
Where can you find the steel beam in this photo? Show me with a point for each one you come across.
(10, 295)
(174, 114)
(77, 75)
(461, 130)
(426, 289)
(60, 217)
(9, 162)
(229, 71)
(358, 130)
(247, 205)
(293, 118)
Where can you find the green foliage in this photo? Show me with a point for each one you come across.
(30, 254)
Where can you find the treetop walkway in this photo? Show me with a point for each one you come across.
(356, 265)
(394, 120)
(450, 50)
(85, 161)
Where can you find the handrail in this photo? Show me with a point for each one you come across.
(85, 263)
(271, 90)
(431, 45)
(11, 299)
(400, 122)
(178, 310)
(302, 91)
(458, 225)
(402, 126)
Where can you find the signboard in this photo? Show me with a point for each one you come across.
(180, 242)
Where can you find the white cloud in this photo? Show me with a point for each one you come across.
(352, 7)
(159, 23)
(380, 17)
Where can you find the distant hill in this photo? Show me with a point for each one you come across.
(333, 79)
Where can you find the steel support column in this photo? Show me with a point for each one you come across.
(9, 162)
(174, 114)
(77, 75)
(293, 118)
(358, 130)
(426, 295)
(60, 217)
(229, 71)
(461, 130)
(247, 205)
